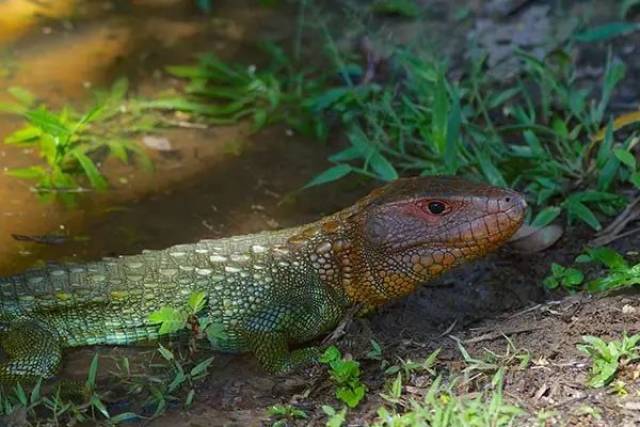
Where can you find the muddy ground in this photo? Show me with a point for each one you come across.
(191, 197)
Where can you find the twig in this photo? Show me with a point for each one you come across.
(497, 334)
(449, 329)
(612, 231)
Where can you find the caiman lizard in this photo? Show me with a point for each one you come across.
(269, 292)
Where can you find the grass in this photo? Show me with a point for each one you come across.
(169, 381)
(544, 134)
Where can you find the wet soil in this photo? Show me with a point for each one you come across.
(226, 181)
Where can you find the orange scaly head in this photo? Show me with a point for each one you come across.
(413, 229)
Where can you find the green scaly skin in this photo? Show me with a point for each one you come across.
(265, 291)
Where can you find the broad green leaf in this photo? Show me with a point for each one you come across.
(332, 174)
(170, 320)
(606, 32)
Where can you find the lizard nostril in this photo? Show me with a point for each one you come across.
(508, 199)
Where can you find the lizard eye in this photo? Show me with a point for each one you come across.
(437, 207)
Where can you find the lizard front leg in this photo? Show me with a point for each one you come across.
(271, 331)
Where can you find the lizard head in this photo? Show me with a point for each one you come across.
(414, 229)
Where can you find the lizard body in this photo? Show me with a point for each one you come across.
(266, 291)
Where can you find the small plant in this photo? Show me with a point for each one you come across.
(408, 366)
(346, 375)
(492, 362)
(173, 319)
(224, 93)
(180, 378)
(442, 407)
(608, 358)
(566, 277)
(285, 414)
(335, 418)
(619, 273)
(70, 142)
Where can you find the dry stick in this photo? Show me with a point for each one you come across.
(612, 231)
(497, 334)
(449, 329)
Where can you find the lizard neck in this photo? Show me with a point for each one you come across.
(334, 249)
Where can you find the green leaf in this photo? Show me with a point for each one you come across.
(382, 167)
(197, 301)
(625, 157)
(93, 372)
(331, 354)
(351, 395)
(489, 169)
(201, 367)
(32, 172)
(577, 209)
(48, 122)
(332, 174)
(91, 171)
(440, 108)
(345, 155)
(606, 32)
(546, 216)
(216, 332)
(608, 257)
(170, 319)
(451, 149)
(26, 98)
(28, 134)
(573, 277)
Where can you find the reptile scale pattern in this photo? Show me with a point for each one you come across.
(266, 291)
